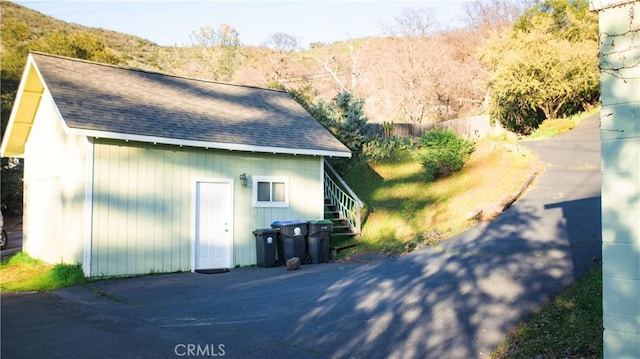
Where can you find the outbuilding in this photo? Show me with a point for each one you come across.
(131, 172)
(619, 54)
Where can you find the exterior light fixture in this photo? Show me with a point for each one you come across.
(243, 179)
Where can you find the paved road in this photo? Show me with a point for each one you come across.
(457, 300)
(14, 246)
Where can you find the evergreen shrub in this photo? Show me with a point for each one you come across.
(443, 153)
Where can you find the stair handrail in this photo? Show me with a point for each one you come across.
(346, 201)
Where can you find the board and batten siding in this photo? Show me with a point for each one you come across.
(144, 202)
(55, 170)
(620, 148)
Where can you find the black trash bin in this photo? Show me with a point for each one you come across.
(266, 240)
(292, 240)
(318, 240)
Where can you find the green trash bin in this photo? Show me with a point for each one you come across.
(318, 240)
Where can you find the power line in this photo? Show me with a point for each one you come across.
(94, 10)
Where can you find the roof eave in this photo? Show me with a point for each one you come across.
(209, 145)
(25, 106)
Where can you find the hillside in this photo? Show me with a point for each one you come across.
(400, 78)
(42, 25)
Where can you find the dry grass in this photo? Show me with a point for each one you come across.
(404, 208)
(553, 127)
(21, 273)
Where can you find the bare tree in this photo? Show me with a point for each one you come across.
(486, 14)
(225, 36)
(412, 23)
(410, 64)
(342, 70)
(429, 76)
(279, 60)
(220, 50)
(282, 42)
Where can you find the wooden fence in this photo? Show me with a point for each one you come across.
(470, 127)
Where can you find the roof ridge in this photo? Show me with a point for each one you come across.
(113, 102)
(128, 68)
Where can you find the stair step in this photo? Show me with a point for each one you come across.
(336, 218)
(339, 219)
(334, 250)
(341, 226)
(344, 234)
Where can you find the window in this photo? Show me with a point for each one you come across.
(270, 191)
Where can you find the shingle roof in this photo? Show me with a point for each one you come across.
(126, 103)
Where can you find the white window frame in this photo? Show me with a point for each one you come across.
(270, 179)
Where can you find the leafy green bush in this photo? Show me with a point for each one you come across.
(513, 114)
(344, 116)
(65, 275)
(11, 172)
(383, 148)
(443, 153)
(546, 67)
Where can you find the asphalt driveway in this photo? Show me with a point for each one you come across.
(456, 300)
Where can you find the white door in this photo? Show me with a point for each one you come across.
(214, 237)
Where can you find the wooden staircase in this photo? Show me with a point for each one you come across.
(343, 208)
(343, 235)
(341, 226)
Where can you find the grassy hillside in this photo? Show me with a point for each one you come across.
(128, 46)
(425, 88)
(404, 208)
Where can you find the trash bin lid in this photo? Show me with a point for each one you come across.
(265, 231)
(288, 223)
(321, 221)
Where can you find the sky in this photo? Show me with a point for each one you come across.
(171, 22)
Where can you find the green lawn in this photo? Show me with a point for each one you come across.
(568, 327)
(23, 273)
(553, 127)
(402, 207)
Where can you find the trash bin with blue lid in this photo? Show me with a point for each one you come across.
(266, 247)
(318, 240)
(292, 240)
